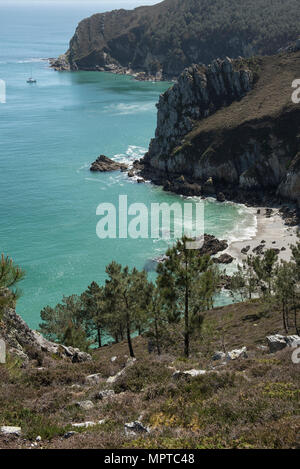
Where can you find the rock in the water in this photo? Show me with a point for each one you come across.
(85, 405)
(237, 353)
(212, 245)
(135, 427)
(104, 164)
(245, 249)
(6, 430)
(93, 379)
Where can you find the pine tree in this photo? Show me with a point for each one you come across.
(187, 282)
(128, 295)
(95, 307)
(67, 323)
(10, 275)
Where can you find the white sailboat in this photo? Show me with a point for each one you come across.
(31, 79)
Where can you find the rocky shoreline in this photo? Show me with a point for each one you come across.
(61, 64)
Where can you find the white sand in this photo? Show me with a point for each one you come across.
(269, 230)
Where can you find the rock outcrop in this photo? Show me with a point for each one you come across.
(105, 164)
(24, 342)
(279, 342)
(231, 127)
(159, 41)
(200, 92)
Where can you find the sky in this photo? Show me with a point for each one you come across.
(119, 3)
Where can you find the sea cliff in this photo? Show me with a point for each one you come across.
(230, 127)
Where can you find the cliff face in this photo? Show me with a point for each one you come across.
(200, 92)
(231, 126)
(161, 40)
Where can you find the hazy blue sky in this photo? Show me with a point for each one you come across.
(101, 3)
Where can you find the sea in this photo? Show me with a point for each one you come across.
(50, 132)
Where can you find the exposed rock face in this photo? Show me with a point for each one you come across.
(161, 40)
(20, 340)
(200, 91)
(105, 164)
(230, 127)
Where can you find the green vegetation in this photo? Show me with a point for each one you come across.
(177, 33)
(251, 402)
(10, 275)
(274, 282)
(129, 303)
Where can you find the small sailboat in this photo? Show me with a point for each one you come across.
(31, 79)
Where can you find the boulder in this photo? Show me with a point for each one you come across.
(105, 164)
(104, 394)
(193, 373)
(237, 353)
(93, 379)
(279, 342)
(132, 428)
(212, 245)
(221, 197)
(245, 249)
(223, 259)
(69, 434)
(219, 356)
(83, 424)
(6, 430)
(113, 359)
(85, 405)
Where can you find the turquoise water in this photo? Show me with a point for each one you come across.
(49, 133)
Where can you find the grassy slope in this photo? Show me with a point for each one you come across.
(271, 95)
(251, 402)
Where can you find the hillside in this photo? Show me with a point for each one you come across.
(230, 127)
(161, 40)
(248, 402)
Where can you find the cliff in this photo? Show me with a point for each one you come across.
(161, 40)
(230, 127)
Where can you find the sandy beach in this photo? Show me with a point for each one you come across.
(272, 231)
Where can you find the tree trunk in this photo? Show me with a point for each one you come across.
(186, 323)
(284, 318)
(156, 337)
(295, 320)
(129, 337)
(99, 337)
